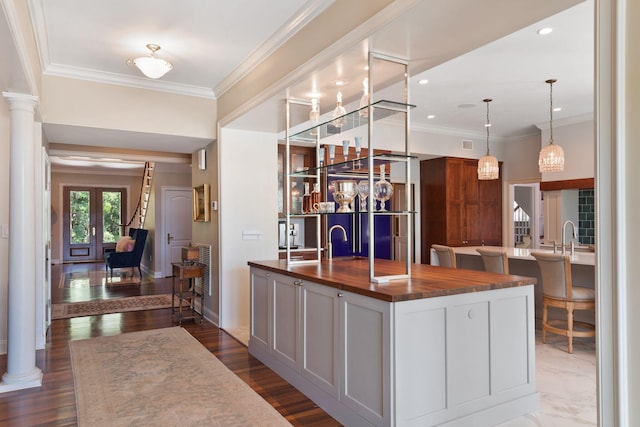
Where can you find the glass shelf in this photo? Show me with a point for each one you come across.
(387, 212)
(380, 110)
(353, 166)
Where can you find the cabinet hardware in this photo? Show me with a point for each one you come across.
(470, 314)
(340, 295)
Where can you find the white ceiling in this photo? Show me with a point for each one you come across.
(213, 43)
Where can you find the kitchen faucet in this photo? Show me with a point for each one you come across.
(329, 244)
(574, 235)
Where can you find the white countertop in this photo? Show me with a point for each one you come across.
(584, 258)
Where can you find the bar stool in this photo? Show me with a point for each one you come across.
(446, 255)
(558, 291)
(495, 260)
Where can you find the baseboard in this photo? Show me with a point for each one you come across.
(211, 316)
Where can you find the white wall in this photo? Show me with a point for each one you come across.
(4, 220)
(521, 159)
(578, 142)
(248, 202)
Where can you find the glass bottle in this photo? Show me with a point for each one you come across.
(382, 190)
(315, 196)
(338, 112)
(307, 204)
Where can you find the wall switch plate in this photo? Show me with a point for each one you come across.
(4, 232)
(214, 205)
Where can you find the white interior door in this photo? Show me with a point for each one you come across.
(177, 214)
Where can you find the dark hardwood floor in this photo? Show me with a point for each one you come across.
(53, 404)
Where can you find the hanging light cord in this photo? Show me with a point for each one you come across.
(551, 82)
(488, 123)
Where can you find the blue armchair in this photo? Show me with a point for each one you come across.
(130, 259)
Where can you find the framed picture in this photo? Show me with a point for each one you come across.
(201, 203)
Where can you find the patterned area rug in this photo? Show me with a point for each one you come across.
(105, 306)
(162, 377)
(85, 279)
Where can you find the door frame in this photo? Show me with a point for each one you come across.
(535, 220)
(62, 186)
(163, 227)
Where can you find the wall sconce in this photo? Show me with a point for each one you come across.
(202, 159)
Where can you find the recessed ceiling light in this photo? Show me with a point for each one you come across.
(544, 31)
(340, 82)
(431, 116)
(314, 95)
(557, 109)
(423, 81)
(466, 105)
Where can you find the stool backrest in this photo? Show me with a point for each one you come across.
(495, 260)
(556, 274)
(446, 255)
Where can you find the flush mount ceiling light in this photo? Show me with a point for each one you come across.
(544, 31)
(151, 66)
(551, 157)
(488, 165)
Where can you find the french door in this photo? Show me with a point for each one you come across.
(92, 221)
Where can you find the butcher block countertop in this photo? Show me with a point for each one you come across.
(352, 275)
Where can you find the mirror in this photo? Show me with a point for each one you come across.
(201, 203)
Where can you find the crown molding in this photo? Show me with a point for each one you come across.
(306, 14)
(36, 10)
(131, 81)
(581, 118)
(13, 21)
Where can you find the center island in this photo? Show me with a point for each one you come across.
(446, 347)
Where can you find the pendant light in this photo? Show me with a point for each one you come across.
(152, 66)
(551, 157)
(488, 165)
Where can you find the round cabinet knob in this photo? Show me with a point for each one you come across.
(340, 295)
(268, 274)
(470, 314)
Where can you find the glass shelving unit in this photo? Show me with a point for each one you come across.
(366, 167)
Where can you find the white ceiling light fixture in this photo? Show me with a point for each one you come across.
(152, 66)
(544, 31)
(488, 165)
(551, 157)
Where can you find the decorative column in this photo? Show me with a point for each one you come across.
(22, 371)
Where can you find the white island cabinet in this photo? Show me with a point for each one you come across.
(461, 359)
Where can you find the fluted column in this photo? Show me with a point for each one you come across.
(22, 371)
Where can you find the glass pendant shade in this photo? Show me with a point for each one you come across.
(551, 157)
(152, 66)
(488, 167)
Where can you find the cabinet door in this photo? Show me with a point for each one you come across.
(260, 335)
(286, 319)
(365, 357)
(320, 313)
(468, 354)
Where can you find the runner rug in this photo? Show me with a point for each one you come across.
(87, 278)
(161, 377)
(106, 306)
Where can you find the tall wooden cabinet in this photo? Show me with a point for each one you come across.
(456, 208)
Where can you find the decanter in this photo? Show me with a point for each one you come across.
(382, 190)
(307, 204)
(338, 112)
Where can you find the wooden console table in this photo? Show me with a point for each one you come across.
(185, 291)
